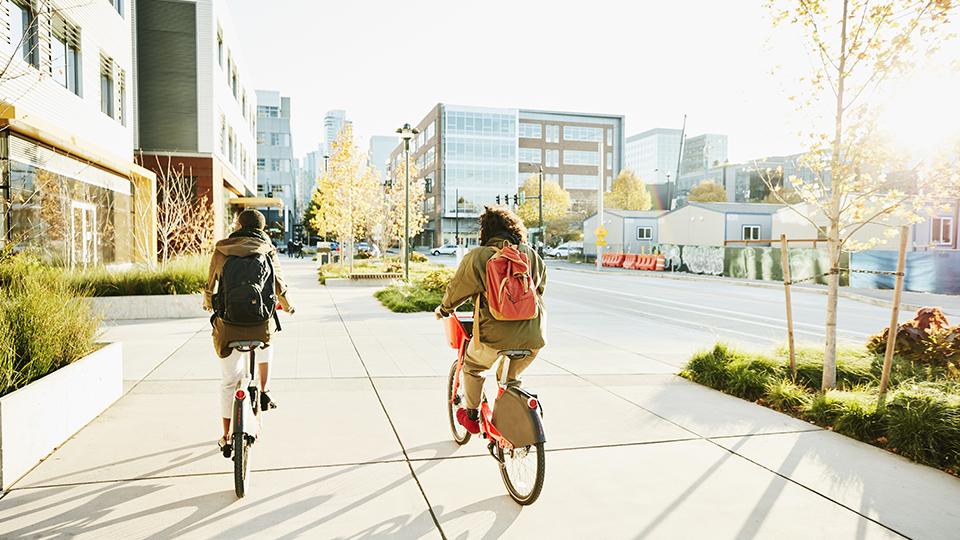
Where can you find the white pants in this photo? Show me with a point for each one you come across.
(233, 369)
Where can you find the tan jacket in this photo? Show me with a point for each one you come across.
(224, 333)
(470, 282)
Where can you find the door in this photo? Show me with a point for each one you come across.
(83, 245)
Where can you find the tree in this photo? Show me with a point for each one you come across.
(347, 200)
(556, 203)
(395, 204)
(628, 192)
(184, 218)
(859, 44)
(708, 191)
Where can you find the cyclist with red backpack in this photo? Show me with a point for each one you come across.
(505, 278)
(243, 289)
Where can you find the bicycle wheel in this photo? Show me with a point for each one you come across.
(241, 451)
(522, 470)
(460, 433)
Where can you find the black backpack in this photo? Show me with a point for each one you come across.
(247, 293)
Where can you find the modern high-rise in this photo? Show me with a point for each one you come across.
(194, 107)
(468, 156)
(333, 122)
(653, 154)
(70, 191)
(311, 168)
(277, 170)
(378, 154)
(702, 152)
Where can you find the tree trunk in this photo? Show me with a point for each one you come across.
(833, 293)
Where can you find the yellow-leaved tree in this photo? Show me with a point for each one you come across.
(708, 191)
(556, 203)
(348, 196)
(628, 192)
(394, 209)
(857, 46)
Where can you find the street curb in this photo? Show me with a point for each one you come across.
(759, 284)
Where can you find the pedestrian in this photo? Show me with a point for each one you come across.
(244, 285)
(500, 231)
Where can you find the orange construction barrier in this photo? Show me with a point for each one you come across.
(644, 263)
(629, 262)
(619, 262)
(661, 263)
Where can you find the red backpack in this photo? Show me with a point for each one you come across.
(511, 293)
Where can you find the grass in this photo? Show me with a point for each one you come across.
(424, 294)
(920, 420)
(187, 275)
(418, 269)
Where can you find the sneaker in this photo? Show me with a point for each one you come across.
(469, 421)
(265, 402)
(226, 448)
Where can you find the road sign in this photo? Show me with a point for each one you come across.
(601, 232)
(601, 243)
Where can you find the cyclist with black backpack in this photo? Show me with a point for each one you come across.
(243, 289)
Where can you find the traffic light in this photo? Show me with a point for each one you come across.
(523, 197)
(498, 199)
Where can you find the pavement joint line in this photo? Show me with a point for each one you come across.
(735, 453)
(383, 406)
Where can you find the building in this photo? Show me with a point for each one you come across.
(194, 108)
(653, 154)
(718, 224)
(468, 156)
(71, 191)
(333, 122)
(567, 145)
(311, 169)
(277, 171)
(628, 231)
(378, 153)
(702, 152)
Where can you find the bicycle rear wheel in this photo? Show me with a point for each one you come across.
(241, 450)
(460, 433)
(523, 471)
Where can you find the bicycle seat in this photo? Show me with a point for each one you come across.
(515, 354)
(245, 345)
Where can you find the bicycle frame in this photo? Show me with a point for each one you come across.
(249, 383)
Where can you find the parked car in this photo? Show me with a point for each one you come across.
(447, 249)
(366, 247)
(332, 246)
(564, 250)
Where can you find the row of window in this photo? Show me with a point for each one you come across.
(276, 165)
(477, 123)
(276, 139)
(235, 152)
(570, 157)
(233, 79)
(570, 133)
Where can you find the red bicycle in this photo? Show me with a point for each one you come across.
(512, 426)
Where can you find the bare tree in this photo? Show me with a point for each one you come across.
(184, 218)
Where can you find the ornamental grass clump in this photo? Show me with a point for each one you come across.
(854, 367)
(785, 395)
(923, 424)
(185, 275)
(709, 368)
(747, 377)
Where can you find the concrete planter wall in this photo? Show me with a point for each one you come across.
(167, 306)
(41, 416)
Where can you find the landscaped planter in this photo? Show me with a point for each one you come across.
(41, 416)
(161, 306)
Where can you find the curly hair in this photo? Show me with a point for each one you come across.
(500, 221)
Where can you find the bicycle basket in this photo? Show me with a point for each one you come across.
(458, 329)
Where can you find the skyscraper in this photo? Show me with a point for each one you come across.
(276, 168)
(378, 154)
(333, 122)
(652, 155)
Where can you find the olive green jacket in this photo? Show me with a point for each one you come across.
(470, 281)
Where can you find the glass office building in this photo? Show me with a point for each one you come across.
(653, 154)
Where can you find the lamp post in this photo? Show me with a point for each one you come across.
(406, 133)
(543, 232)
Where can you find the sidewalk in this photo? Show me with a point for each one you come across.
(360, 447)
(910, 301)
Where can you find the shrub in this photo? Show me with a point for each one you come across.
(925, 339)
(417, 257)
(785, 395)
(408, 298)
(747, 377)
(853, 367)
(437, 280)
(363, 255)
(44, 325)
(826, 409)
(923, 424)
(709, 368)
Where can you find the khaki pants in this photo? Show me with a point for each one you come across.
(479, 358)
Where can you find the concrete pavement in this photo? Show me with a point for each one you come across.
(360, 446)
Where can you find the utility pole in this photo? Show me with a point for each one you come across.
(406, 133)
(456, 223)
(601, 187)
(543, 232)
(676, 178)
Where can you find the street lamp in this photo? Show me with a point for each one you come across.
(406, 133)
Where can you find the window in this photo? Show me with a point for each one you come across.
(118, 5)
(261, 137)
(122, 90)
(609, 137)
(276, 139)
(644, 233)
(220, 46)
(261, 188)
(285, 165)
(553, 158)
(551, 177)
(609, 162)
(275, 165)
(428, 185)
(751, 232)
(231, 147)
(580, 157)
(580, 181)
(553, 133)
(430, 131)
(942, 232)
(106, 85)
(65, 54)
(580, 133)
(261, 164)
(223, 134)
(264, 111)
(23, 31)
(530, 155)
(531, 131)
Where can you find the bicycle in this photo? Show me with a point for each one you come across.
(515, 436)
(245, 434)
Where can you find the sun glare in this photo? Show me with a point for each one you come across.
(922, 113)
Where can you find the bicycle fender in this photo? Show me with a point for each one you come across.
(515, 420)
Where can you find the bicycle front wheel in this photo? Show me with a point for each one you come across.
(523, 470)
(454, 402)
(241, 451)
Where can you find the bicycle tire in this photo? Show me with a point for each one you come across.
(452, 407)
(531, 497)
(240, 450)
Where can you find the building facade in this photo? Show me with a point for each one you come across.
(653, 154)
(333, 122)
(194, 107)
(378, 153)
(277, 170)
(71, 192)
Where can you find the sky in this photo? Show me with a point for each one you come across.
(388, 62)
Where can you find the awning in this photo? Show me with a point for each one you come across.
(256, 202)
